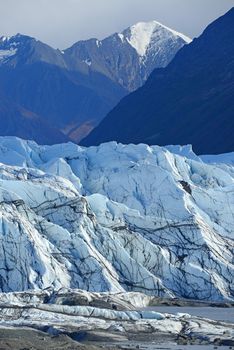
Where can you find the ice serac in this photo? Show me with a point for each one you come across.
(116, 218)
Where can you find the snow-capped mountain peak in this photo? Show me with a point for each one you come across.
(141, 34)
(22, 49)
(108, 70)
(8, 47)
(4, 38)
(15, 39)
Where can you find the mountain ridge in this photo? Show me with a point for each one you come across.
(162, 44)
(74, 89)
(189, 101)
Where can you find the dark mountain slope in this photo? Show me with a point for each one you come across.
(73, 90)
(189, 101)
(17, 121)
(41, 80)
(62, 97)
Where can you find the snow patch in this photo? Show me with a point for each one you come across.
(121, 36)
(88, 62)
(142, 33)
(98, 43)
(5, 54)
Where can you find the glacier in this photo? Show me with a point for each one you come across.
(116, 218)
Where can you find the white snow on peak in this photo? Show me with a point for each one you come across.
(142, 33)
(98, 43)
(121, 36)
(184, 37)
(4, 54)
(4, 38)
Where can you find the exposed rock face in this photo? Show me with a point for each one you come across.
(188, 102)
(64, 94)
(72, 90)
(116, 218)
(129, 57)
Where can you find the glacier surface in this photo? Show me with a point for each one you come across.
(116, 218)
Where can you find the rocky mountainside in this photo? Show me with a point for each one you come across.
(19, 121)
(72, 90)
(188, 102)
(41, 80)
(129, 57)
(116, 218)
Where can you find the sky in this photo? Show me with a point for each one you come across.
(60, 23)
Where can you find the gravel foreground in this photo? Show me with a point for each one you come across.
(31, 339)
(75, 319)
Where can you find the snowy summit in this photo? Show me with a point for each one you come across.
(142, 34)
